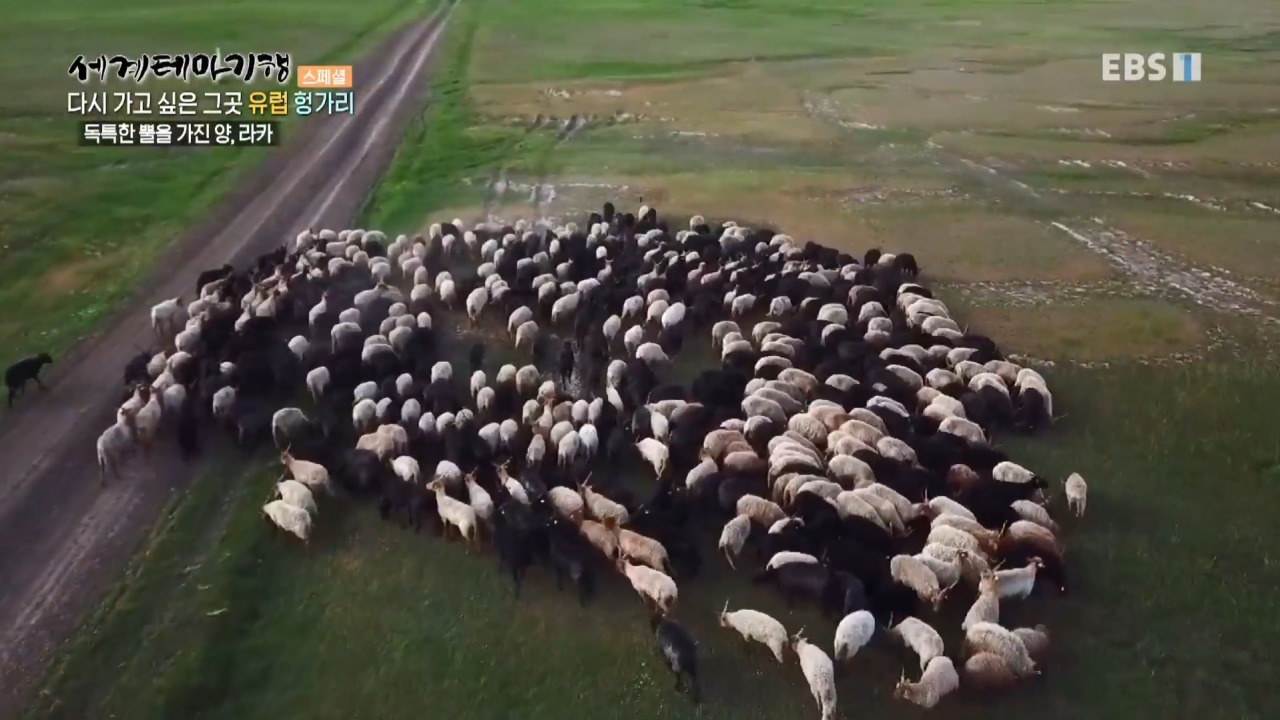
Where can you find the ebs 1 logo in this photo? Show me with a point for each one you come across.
(1136, 67)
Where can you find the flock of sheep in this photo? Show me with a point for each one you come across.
(843, 438)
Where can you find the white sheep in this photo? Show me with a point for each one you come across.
(406, 468)
(526, 335)
(762, 512)
(999, 640)
(853, 633)
(820, 672)
(938, 680)
(645, 550)
(1034, 512)
(915, 574)
(364, 414)
(921, 638)
(789, 556)
(286, 424)
(317, 382)
(480, 500)
(1077, 494)
(297, 495)
(312, 474)
(652, 354)
(518, 317)
(601, 508)
(1017, 583)
(654, 587)
(115, 443)
(654, 453)
(455, 513)
(476, 300)
(987, 607)
(943, 505)
(567, 503)
(289, 518)
(734, 537)
(757, 626)
(1012, 472)
(223, 400)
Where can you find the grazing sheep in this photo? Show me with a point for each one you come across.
(757, 626)
(290, 518)
(820, 672)
(655, 588)
(999, 640)
(853, 633)
(644, 550)
(297, 495)
(987, 607)
(921, 638)
(988, 671)
(734, 537)
(567, 503)
(598, 507)
(654, 453)
(762, 512)
(1036, 640)
(1033, 512)
(915, 574)
(939, 680)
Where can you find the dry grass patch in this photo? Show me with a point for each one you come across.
(743, 100)
(1246, 246)
(72, 275)
(968, 244)
(895, 107)
(1251, 146)
(1093, 330)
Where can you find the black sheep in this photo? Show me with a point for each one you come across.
(25, 370)
(570, 558)
(679, 653)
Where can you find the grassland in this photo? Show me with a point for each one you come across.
(849, 123)
(80, 227)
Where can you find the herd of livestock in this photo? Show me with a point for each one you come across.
(843, 437)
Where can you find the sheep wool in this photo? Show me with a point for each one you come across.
(1077, 494)
(790, 556)
(988, 671)
(853, 633)
(297, 495)
(921, 638)
(754, 625)
(654, 586)
(734, 537)
(762, 512)
(820, 673)
(289, 518)
(938, 680)
(993, 638)
(915, 574)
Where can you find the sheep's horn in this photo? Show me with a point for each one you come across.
(726, 607)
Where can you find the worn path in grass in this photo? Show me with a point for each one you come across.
(62, 535)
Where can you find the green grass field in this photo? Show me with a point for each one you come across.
(80, 227)
(811, 123)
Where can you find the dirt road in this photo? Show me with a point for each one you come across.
(62, 538)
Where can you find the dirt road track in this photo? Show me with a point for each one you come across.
(62, 539)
